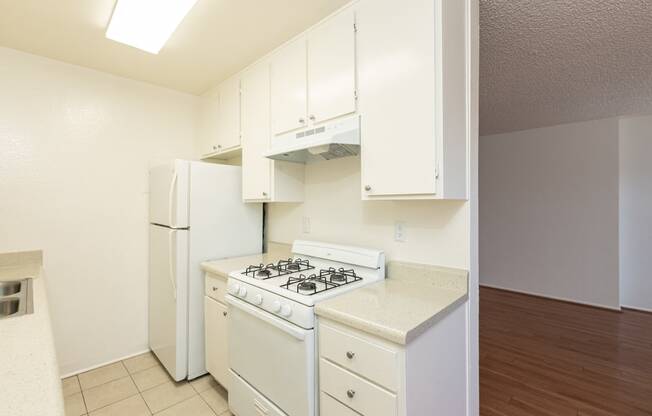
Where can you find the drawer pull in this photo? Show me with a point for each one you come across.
(350, 393)
(350, 355)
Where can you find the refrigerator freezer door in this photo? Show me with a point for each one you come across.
(221, 225)
(169, 185)
(168, 298)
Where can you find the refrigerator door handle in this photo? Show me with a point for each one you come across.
(172, 212)
(172, 242)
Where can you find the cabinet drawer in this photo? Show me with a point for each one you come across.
(355, 392)
(374, 362)
(331, 407)
(215, 287)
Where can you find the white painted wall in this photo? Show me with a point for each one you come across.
(549, 212)
(74, 152)
(636, 212)
(437, 231)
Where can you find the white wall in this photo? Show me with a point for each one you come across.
(549, 212)
(437, 231)
(74, 152)
(636, 212)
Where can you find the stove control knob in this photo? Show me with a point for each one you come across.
(242, 292)
(258, 299)
(276, 306)
(234, 289)
(286, 310)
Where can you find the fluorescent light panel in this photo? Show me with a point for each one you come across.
(147, 24)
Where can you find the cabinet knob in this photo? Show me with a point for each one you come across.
(302, 120)
(350, 393)
(367, 188)
(264, 193)
(312, 117)
(224, 313)
(219, 146)
(350, 355)
(214, 147)
(214, 288)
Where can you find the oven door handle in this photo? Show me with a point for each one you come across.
(296, 332)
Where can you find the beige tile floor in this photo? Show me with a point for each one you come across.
(140, 386)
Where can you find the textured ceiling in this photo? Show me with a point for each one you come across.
(547, 62)
(217, 38)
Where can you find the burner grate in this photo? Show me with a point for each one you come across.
(327, 279)
(280, 268)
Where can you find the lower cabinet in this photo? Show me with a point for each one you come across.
(215, 319)
(362, 374)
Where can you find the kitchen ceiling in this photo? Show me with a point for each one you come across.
(216, 39)
(547, 62)
(542, 62)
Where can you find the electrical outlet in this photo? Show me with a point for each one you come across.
(305, 226)
(399, 231)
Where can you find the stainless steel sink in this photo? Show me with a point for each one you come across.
(9, 288)
(15, 298)
(9, 307)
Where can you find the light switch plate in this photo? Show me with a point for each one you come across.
(305, 226)
(399, 231)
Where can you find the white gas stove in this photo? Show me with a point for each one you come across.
(272, 348)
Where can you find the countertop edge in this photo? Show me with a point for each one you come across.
(46, 396)
(429, 323)
(209, 268)
(387, 333)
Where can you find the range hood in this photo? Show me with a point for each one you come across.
(331, 141)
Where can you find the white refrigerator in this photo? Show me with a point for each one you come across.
(196, 214)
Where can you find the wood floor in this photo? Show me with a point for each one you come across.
(544, 357)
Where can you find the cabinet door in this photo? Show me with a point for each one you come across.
(289, 87)
(229, 114)
(256, 180)
(331, 68)
(215, 319)
(396, 86)
(208, 131)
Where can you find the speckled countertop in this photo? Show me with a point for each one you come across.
(222, 267)
(403, 306)
(29, 374)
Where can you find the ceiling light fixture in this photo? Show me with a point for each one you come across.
(147, 24)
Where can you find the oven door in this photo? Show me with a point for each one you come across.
(275, 357)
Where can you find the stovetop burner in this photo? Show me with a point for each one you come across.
(307, 285)
(280, 268)
(327, 279)
(263, 273)
(338, 277)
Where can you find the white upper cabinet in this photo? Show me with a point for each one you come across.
(263, 179)
(219, 128)
(228, 125)
(400, 67)
(209, 113)
(256, 181)
(331, 68)
(289, 88)
(412, 92)
(313, 77)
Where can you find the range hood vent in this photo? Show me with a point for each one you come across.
(331, 141)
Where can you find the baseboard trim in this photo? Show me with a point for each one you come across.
(83, 370)
(636, 309)
(558, 299)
